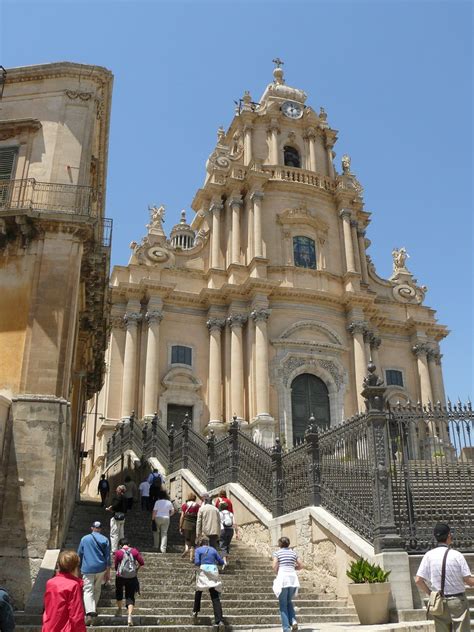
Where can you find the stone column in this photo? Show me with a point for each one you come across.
(311, 136)
(257, 197)
(421, 351)
(273, 131)
(260, 317)
(153, 318)
(247, 144)
(355, 244)
(236, 322)
(348, 248)
(368, 335)
(114, 376)
(129, 382)
(329, 147)
(216, 210)
(436, 376)
(215, 326)
(358, 329)
(235, 207)
(363, 260)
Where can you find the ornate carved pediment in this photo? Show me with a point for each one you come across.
(292, 363)
(181, 378)
(16, 127)
(310, 333)
(302, 216)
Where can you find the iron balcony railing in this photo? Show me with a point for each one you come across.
(29, 194)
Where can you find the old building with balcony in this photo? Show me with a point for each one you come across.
(267, 305)
(54, 269)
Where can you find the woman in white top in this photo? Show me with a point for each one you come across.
(162, 512)
(286, 583)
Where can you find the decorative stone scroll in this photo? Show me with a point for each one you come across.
(404, 285)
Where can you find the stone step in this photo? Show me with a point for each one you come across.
(266, 609)
(257, 599)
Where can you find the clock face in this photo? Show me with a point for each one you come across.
(292, 110)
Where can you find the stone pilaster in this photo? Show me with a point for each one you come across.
(273, 131)
(153, 319)
(436, 376)
(311, 138)
(363, 259)
(215, 326)
(236, 322)
(348, 246)
(235, 207)
(263, 422)
(248, 148)
(355, 245)
(257, 197)
(358, 329)
(216, 210)
(129, 382)
(420, 351)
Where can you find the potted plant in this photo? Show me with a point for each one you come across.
(370, 592)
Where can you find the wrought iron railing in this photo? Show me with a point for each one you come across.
(388, 474)
(29, 194)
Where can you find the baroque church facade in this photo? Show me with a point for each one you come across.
(266, 306)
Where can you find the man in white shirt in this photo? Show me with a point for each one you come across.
(455, 617)
(144, 489)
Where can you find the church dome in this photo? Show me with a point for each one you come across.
(182, 235)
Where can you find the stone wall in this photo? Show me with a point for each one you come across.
(39, 489)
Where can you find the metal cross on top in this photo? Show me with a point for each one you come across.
(278, 62)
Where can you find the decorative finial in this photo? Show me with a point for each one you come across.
(278, 71)
(220, 134)
(183, 217)
(399, 260)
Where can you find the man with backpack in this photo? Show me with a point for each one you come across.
(127, 561)
(208, 521)
(119, 508)
(155, 481)
(228, 527)
(94, 553)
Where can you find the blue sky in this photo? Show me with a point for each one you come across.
(394, 77)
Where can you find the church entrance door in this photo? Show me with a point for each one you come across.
(175, 415)
(309, 396)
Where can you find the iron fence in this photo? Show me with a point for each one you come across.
(29, 194)
(432, 462)
(388, 474)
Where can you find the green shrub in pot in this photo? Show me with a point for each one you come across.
(370, 591)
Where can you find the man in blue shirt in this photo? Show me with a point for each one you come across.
(94, 551)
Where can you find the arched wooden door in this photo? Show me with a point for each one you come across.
(309, 396)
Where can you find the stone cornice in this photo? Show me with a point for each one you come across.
(15, 127)
(58, 69)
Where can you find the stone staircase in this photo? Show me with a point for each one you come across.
(167, 586)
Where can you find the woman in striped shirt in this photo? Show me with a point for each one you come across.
(286, 583)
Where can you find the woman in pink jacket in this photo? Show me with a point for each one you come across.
(63, 604)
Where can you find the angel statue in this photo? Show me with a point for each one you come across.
(346, 164)
(157, 214)
(399, 259)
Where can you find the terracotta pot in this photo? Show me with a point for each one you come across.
(371, 602)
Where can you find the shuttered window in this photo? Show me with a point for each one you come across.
(181, 355)
(393, 377)
(7, 162)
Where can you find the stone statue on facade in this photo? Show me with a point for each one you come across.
(346, 164)
(399, 259)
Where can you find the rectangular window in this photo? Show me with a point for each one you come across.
(181, 355)
(393, 377)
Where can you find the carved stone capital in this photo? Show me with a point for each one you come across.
(236, 202)
(354, 223)
(358, 327)
(433, 356)
(375, 342)
(256, 195)
(117, 322)
(216, 208)
(345, 213)
(215, 324)
(237, 320)
(131, 319)
(421, 349)
(310, 133)
(361, 232)
(273, 126)
(154, 316)
(260, 315)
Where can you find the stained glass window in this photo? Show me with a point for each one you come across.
(304, 252)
